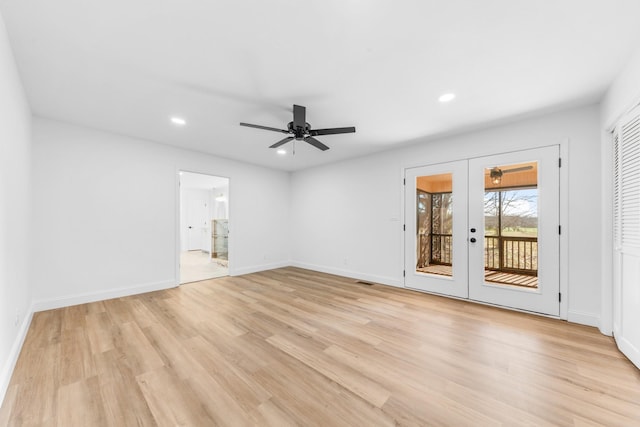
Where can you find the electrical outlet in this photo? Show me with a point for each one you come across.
(345, 261)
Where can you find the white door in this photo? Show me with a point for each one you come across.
(487, 229)
(436, 228)
(514, 241)
(196, 223)
(626, 235)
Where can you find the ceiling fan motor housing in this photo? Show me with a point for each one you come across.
(299, 132)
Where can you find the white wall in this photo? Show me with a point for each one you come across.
(346, 216)
(105, 211)
(15, 226)
(623, 94)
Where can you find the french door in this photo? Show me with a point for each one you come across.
(486, 229)
(436, 207)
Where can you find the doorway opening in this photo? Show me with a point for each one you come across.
(204, 227)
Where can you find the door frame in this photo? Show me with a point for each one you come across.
(177, 230)
(564, 144)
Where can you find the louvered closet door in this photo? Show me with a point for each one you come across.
(626, 229)
(617, 260)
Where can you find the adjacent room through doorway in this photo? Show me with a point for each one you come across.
(204, 227)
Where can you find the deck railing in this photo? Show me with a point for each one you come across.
(441, 249)
(501, 253)
(512, 254)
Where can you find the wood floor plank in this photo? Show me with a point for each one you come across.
(122, 399)
(308, 397)
(274, 416)
(341, 374)
(79, 404)
(38, 378)
(138, 352)
(100, 331)
(171, 400)
(295, 347)
(237, 381)
(79, 363)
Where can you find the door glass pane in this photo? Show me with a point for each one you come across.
(511, 225)
(435, 224)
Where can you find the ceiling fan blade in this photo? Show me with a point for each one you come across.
(332, 131)
(523, 168)
(281, 142)
(319, 145)
(299, 116)
(249, 125)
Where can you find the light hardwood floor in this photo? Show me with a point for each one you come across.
(294, 347)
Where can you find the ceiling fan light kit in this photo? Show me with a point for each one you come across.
(300, 130)
(495, 174)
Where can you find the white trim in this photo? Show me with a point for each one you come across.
(613, 122)
(83, 298)
(566, 227)
(583, 318)
(381, 280)
(606, 325)
(177, 221)
(257, 268)
(403, 231)
(10, 364)
(629, 350)
(177, 229)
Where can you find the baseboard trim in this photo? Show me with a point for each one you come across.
(10, 364)
(583, 318)
(629, 350)
(574, 316)
(69, 300)
(388, 281)
(258, 268)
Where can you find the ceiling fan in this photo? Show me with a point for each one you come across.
(301, 130)
(496, 173)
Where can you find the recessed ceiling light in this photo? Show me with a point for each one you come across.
(447, 97)
(178, 121)
(282, 152)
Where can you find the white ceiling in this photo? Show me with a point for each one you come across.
(127, 66)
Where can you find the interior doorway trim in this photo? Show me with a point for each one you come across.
(564, 145)
(177, 231)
